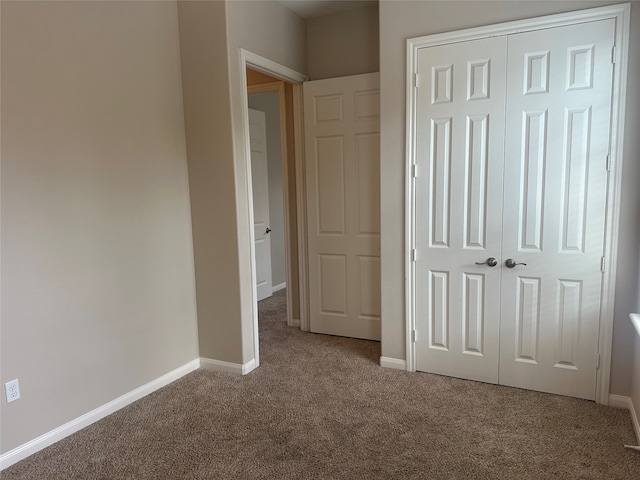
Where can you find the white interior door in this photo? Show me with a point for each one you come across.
(460, 153)
(557, 142)
(260, 190)
(342, 142)
(511, 152)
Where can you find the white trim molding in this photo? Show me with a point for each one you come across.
(621, 14)
(271, 68)
(277, 288)
(635, 419)
(57, 434)
(634, 400)
(228, 367)
(635, 321)
(395, 363)
(621, 401)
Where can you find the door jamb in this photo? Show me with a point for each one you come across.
(621, 14)
(281, 72)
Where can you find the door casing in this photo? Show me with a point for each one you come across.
(621, 15)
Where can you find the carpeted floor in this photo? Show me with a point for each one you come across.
(320, 407)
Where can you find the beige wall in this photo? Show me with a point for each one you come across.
(272, 31)
(400, 20)
(343, 44)
(215, 132)
(269, 103)
(205, 79)
(97, 265)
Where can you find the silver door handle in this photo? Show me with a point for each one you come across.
(268, 230)
(491, 261)
(510, 263)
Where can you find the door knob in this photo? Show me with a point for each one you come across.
(491, 261)
(268, 230)
(510, 263)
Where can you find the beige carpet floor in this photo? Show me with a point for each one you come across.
(320, 407)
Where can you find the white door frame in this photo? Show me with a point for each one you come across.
(264, 65)
(621, 14)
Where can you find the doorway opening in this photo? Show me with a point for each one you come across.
(262, 77)
(273, 183)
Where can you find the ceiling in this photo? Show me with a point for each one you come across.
(317, 8)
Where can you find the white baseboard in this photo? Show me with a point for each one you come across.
(227, 367)
(395, 363)
(277, 288)
(620, 401)
(23, 451)
(295, 322)
(635, 419)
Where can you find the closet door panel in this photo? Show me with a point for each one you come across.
(459, 159)
(556, 145)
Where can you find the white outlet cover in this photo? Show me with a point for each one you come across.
(12, 390)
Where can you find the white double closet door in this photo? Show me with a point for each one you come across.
(511, 154)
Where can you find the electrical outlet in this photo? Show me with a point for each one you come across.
(12, 390)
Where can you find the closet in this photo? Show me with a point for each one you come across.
(511, 139)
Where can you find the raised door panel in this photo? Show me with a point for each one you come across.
(367, 157)
(332, 270)
(330, 185)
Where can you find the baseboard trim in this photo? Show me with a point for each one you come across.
(295, 322)
(227, 367)
(395, 363)
(23, 451)
(620, 401)
(277, 288)
(635, 419)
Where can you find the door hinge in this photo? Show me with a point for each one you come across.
(416, 80)
(613, 54)
(608, 163)
(414, 171)
(413, 336)
(413, 255)
(602, 264)
(598, 361)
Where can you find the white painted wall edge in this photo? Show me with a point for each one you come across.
(635, 373)
(277, 288)
(635, 320)
(228, 367)
(57, 434)
(620, 401)
(395, 363)
(635, 419)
